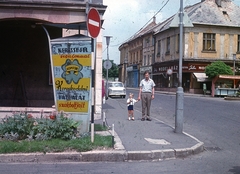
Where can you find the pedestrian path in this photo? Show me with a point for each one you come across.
(144, 135)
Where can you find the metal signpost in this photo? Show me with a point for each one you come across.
(93, 22)
(108, 63)
(94, 26)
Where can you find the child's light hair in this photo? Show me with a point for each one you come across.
(131, 94)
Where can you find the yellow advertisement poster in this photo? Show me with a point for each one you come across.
(72, 75)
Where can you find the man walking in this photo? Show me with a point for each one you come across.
(146, 93)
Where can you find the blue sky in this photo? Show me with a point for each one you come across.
(123, 18)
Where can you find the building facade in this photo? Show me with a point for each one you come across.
(25, 53)
(211, 33)
(138, 54)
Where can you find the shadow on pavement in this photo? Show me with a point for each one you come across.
(235, 170)
(107, 106)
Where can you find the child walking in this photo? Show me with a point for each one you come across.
(130, 103)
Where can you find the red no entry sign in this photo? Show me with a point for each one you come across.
(93, 22)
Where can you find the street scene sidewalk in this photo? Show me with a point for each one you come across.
(134, 141)
(141, 143)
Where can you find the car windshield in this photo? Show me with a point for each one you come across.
(115, 85)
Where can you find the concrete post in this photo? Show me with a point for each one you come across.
(179, 93)
(179, 111)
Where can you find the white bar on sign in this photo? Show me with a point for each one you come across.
(92, 22)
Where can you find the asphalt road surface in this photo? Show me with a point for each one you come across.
(214, 121)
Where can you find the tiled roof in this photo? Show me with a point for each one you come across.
(208, 13)
(145, 30)
(60, 1)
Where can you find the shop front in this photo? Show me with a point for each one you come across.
(143, 69)
(165, 76)
(225, 85)
(132, 76)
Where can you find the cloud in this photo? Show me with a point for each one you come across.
(124, 18)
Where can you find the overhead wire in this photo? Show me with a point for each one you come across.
(144, 24)
(153, 16)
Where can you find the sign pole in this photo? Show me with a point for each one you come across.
(93, 26)
(107, 42)
(93, 91)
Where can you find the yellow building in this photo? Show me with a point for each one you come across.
(211, 32)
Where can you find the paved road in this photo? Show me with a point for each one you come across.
(212, 120)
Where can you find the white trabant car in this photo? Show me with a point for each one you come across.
(116, 89)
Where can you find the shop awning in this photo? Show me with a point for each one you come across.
(201, 77)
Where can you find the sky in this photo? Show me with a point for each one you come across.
(123, 18)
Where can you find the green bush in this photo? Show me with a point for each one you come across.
(18, 125)
(22, 126)
(62, 127)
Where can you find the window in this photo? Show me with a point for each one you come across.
(238, 46)
(178, 42)
(137, 58)
(145, 59)
(146, 42)
(159, 48)
(168, 45)
(208, 42)
(153, 41)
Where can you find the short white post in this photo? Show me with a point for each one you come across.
(104, 118)
(113, 135)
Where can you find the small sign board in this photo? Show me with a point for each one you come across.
(71, 67)
(107, 64)
(93, 22)
(169, 72)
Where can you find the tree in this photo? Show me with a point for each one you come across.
(218, 68)
(112, 72)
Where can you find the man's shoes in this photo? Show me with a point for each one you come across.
(149, 119)
(129, 118)
(143, 119)
(132, 118)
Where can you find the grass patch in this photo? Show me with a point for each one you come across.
(56, 145)
(99, 127)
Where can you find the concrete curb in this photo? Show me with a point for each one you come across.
(103, 156)
(118, 154)
(232, 98)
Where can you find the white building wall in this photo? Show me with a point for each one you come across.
(98, 79)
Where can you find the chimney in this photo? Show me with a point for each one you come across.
(218, 2)
(154, 19)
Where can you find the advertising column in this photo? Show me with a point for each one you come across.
(71, 67)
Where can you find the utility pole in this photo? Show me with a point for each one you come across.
(234, 59)
(180, 94)
(107, 42)
(125, 71)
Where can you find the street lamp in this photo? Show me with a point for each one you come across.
(179, 93)
(125, 71)
(234, 59)
(107, 42)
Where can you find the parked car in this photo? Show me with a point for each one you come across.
(116, 89)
